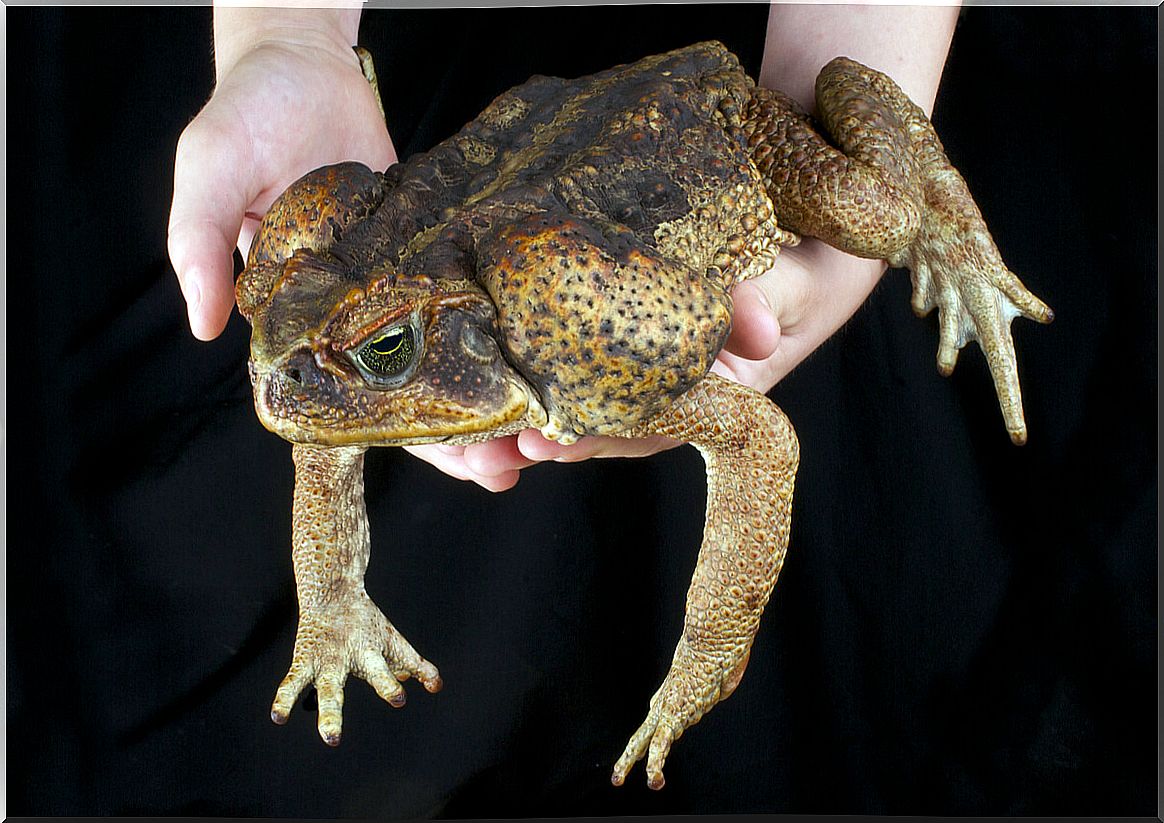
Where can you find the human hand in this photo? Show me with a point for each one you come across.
(290, 97)
(779, 319)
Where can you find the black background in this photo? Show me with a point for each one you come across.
(962, 626)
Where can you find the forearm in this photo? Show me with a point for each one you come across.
(908, 43)
(238, 29)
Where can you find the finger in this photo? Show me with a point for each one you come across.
(755, 327)
(495, 457)
(535, 447)
(767, 324)
(813, 289)
(447, 460)
(762, 375)
(453, 464)
(497, 483)
(206, 215)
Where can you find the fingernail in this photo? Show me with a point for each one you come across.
(192, 294)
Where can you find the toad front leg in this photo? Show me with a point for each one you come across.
(341, 630)
(751, 454)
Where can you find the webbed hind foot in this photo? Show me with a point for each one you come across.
(882, 187)
(956, 268)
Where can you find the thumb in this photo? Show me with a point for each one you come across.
(206, 216)
(755, 330)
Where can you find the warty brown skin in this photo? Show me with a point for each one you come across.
(565, 262)
(340, 629)
(751, 454)
(890, 192)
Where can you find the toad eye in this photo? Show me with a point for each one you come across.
(388, 356)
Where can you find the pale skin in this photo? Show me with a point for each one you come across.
(290, 97)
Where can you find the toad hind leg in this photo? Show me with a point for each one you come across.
(751, 454)
(341, 631)
(890, 192)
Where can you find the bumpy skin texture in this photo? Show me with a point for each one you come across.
(340, 628)
(593, 318)
(565, 262)
(751, 454)
(890, 192)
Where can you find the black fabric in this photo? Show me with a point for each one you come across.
(962, 626)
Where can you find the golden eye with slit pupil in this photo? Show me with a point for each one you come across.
(390, 353)
(388, 344)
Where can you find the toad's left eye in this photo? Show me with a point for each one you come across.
(388, 354)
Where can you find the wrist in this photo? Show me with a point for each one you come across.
(239, 30)
(908, 43)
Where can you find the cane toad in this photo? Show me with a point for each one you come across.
(565, 262)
